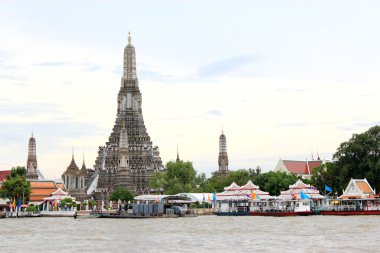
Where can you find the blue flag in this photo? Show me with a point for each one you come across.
(18, 202)
(327, 188)
(304, 195)
(214, 197)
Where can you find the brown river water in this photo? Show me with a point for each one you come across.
(197, 234)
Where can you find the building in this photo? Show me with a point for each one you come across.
(40, 189)
(358, 189)
(141, 158)
(295, 190)
(32, 171)
(3, 175)
(74, 180)
(223, 156)
(299, 168)
(31, 164)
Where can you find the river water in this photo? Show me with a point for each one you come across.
(198, 234)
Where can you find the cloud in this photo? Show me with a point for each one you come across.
(226, 66)
(297, 124)
(214, 113)
(8, 77)
(52, 64)
(299, 90)
(209, 73)
(92, 67)
(28, 109)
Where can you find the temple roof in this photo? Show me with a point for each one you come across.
(249, 186)
(301, 167)
(358, 188)
(4, 174)
(232, 187)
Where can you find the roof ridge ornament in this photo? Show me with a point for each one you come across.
(129, 38)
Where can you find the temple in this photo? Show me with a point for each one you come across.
(223, 156)
(299, 168)
(74, 180)
(31, 164)
(129, 158)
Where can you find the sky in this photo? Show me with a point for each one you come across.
(284, 79)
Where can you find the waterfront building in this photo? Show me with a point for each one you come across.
(299, 168)
(237, 198)
(53, 202)
(40, 189)
(223, 156)
(141, 158)
(358, 189)
(300, 188)
(74, 180)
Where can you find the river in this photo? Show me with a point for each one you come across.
(198, 234)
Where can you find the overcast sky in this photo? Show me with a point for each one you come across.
(284, 79)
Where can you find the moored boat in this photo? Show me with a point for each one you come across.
(367, 206)
(280, 208)
(358, 199)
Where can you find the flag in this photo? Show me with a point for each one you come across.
(313, 188)
(304, 195)
(208, 198)
(258, 197)
(18, 202)
(214, 197)
(253, 195)
(327, 188)
(14, 203)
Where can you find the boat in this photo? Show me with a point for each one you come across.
(280, 208)
(365, 206)
(136, 216)
(357, 199)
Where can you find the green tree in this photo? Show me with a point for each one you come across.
(16, 186)
(121, 193)
(157, 182)
(359, 157)
(68, 203)
(275, 182)
(326, 174)
(179, 177)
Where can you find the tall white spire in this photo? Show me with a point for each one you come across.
(31, 163)
(129, 72)
(223, 156)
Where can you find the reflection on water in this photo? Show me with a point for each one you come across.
(199, 234)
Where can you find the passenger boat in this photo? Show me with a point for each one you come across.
(351, 207)
(358, 199)
(280, 208)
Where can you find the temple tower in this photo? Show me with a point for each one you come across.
(223, 156)
(144, 158)
(123, 173)
(74, 180)
(177, 159)
(31, 164)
